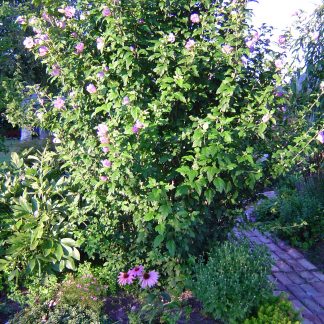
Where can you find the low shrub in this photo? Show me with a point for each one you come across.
(276, 310)
(43, 313)
(35, 289)
(297, 213)
(233, 281)
(74, 300)
(84, 291)
(106, 273)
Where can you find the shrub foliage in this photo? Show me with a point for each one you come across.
(161, 112)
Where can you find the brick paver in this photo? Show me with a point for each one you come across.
(293, 274)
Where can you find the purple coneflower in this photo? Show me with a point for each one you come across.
(125, 278)
(149, 279)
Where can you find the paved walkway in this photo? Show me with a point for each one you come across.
(293, 275)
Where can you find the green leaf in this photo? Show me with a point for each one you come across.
(13, 274)
(180, 96)
(62, 265)
(16, 160)
(31, 265)
(160, 228)
(59, 252)
(158, 240)
(165, 210)
(68, 242)
(75, 254)
(171, 247)
(149, 216)
(197, 137)
(209, 194)
(219, 184)
(261, 129)
(3, 264)
(211, 171)
(69, 263)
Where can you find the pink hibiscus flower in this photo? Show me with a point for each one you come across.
(102, 129)
(29, 42)
(104, 139)
(106, 163)
(281, 40)
(21, 20)
(43, 50)
(79, 48)
(46, 16)
(101, 75)
(59, 102)
(227, 49)
(61, 24)
(190, 44)
(266, 118)
(195, 18)
(69, 11)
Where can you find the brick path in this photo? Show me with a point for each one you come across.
(293, 275)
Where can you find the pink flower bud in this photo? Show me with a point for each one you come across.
(61, 24)
(91, 88)
(266, 118)
(171, 38)
(106, 12)
(100, 43)
(56, 71)
(126, 101)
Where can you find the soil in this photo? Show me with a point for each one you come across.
(7, 308)
(117, 309)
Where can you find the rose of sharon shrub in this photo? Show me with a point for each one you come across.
(183, 116)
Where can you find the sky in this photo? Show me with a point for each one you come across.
(278, 13)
